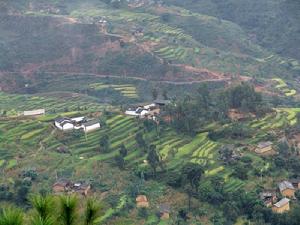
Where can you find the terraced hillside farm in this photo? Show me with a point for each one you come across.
(283, 87)
(14, 104)
(38, 137)
(126, 90)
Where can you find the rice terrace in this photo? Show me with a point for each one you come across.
(147, 112)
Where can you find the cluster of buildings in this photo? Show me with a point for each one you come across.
(150, 111)
(287, 190)
(76, 123)
(163, 212)
(65, 186)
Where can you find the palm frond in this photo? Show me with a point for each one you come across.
(92, 212)
(43, 205)
(68, 210)
(38, 220)
(11, 216)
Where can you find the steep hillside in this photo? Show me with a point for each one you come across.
(272, 23)
(145, 39)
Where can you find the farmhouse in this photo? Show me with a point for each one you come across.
(66, 186)
(148, 111)
(36, 112)
(61, 186)
(282, 206)
(142, 201)
(82, 188)
(140, 112)
(264, 147)
(268, 197)
(164, 211)
(77, 123)
(287, 189)
(91, 125)
(64, 124)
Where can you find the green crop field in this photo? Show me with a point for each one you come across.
(283, 87)
(126, 90)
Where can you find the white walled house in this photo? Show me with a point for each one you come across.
(64, 124)
(91, 126)
(131, 112)
(36, 112)
(78, 119)
(140, 111)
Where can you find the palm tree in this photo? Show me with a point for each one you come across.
(11, 216)
(43, 206)
(68, 210)
(92, 212)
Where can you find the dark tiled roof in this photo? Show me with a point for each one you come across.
(164, 208)
(90, 123)
(162, 102)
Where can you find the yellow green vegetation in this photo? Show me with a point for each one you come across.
(283, 87)
(126, 90)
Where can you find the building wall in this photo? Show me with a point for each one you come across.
(91, 128)
(288, 193)
(68, 126)
(58, 188)
(282, 209)
(263, 150)
(34, 112)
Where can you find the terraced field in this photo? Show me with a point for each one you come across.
(283, 87)
(126, 90)
(14, 104)
(282, 117)
(169, 30)
(172, 53)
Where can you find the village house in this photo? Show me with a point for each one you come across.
(164, 211)
(268, 197)
(64, 124)
(37, 112)
(296, 183)
(66, 186)
(287, 189)
(91, 126)
(148, 111)
(61, 186)
(138, 112)
(264, 147)
(282, 206)
(82, 188)
(142, 201)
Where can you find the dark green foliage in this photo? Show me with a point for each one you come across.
(235, 131)
(192, 173)
(104, 144)
(123, 150)
(140, 140)
(153, 158)
(244, 97)
(120, 161)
